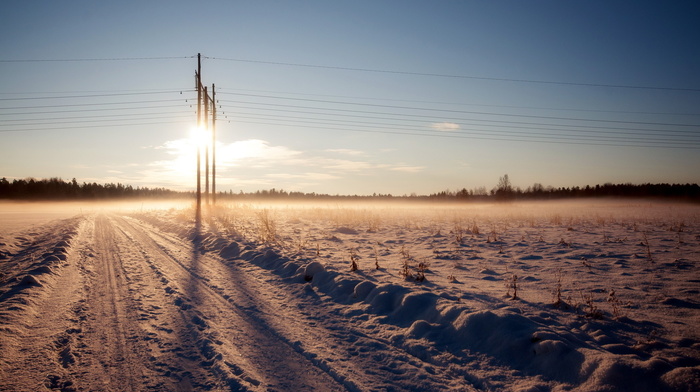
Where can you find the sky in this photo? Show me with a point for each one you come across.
(355, 97)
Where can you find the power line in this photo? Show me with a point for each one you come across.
(588, 134)
(514, 80)
(508, 139)
(506, 132)
(88, 110)
(95, 59)
(91, 104)
(467, 104)
(467, 111)
(91, 95)
(435, 117)
(104, 120)
(481, 122)
(391, 118)
(664, 135)
(367, 70)
(420, 125)
(93, 91)
(91, 126)
(88, 117)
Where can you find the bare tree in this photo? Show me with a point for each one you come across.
(504, 189)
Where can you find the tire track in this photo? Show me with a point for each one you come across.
(114, 352)
(319, 332)
(234, 342)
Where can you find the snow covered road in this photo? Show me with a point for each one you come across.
(134, 308)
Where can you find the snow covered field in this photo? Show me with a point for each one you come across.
(549, 296)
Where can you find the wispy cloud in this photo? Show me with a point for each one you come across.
(256, 152)
(408, 169)
(342, 165)
(304, 176)
(445, 126)
(258, 164)
(346, 151)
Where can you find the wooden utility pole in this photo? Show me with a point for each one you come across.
(198, 79)
(206, 146)
(203, 95)
(213, 145)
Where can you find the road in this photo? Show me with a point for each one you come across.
(135, 307)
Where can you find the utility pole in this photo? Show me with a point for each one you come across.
(198, 80)
(203, 125)
(206, 147)
(213, 145)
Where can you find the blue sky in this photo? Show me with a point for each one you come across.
(353, 97)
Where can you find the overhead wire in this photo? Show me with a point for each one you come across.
(529, 135)
(509, 139)
(100, 121)
(452, 76)
(387, 122)
(90, 95)
(423, 118)
(123, 108)
(89, 117)
(390, 117)
(95, 59)
(434, 117)
(547, 108)
(89, 104)
(413, 108)
(422, 126)
(96, 109)
(90, 126)
(575, 129)
(362, 69)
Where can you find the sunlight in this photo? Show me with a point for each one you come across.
(200, 136)
(181, 168)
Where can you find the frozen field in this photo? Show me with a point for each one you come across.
(549, 296)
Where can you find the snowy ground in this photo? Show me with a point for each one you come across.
(264, 298)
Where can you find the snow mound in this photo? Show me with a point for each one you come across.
(683, 379)
(30, 280)
(385, 298)
(312, 269)
(346, 230)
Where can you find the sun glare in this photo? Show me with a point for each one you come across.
(180, 168)
(200, 136)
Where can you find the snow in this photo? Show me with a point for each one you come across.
(262, 297)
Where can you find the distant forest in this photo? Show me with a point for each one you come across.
(690, 192)
(58, 189)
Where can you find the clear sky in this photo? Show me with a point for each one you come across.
(353, 97)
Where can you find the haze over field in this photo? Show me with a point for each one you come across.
(356, 97)
(584, 296)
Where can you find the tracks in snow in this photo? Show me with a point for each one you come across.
(139, 309)
(240, 350)
(354, 355)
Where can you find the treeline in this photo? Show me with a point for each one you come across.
(275, 194)
(504, 191)
(58, 189)
(689, 192)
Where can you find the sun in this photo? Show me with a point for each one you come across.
(181, 165)
(199, 137)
